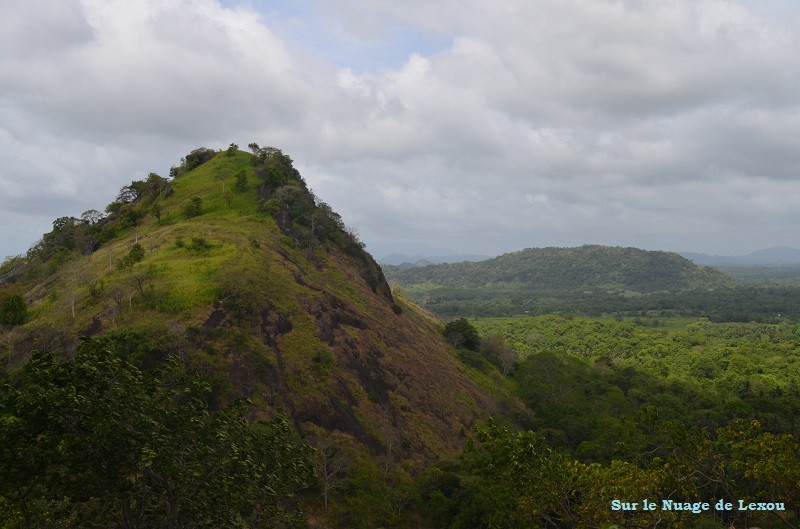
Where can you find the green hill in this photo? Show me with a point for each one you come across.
(234, 268)
(548, 279)
(585, 267)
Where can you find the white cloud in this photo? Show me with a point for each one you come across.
(660, 124)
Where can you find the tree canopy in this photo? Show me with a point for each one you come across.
(98, 442)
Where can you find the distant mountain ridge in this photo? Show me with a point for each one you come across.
(408, 261)
(776, 256)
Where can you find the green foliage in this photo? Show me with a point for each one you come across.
(500, 353)
(96, 442)
(570, 269)
(509, 480)
(12, 268)
(231, 150)
(526, 483)
(461, 333)
(199, 244)
(765, 275)
(194, 159)
(241, 181)
(227, 196)
(142, 190)
(322, 361)
(193, 207)
(69, 235)
(274, 168)
(588, 380)
(13, 309)
(356, 492)
(594, 281)
(87, 234)
(135, 255)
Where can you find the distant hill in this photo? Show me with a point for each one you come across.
(568, 269)
(777, 256)
(539, 280)
(409, 261)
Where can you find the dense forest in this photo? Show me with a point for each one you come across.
(691, 412)
(217, 349)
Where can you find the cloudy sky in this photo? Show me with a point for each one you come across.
(479, 126)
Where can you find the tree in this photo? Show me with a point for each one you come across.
(141, 279)
(13, 309)
(193, 207)
(518, 481)
(499, 352)
(92, 216)
(96, 440)
(241, 181)
(197, 158)
(135, 255)
(154, 185)
(332, 464)
(128, 194)
(461, 333)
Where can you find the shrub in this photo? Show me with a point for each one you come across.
(197, 157)
(193, 207)
(461, 333)
(13, 309)
(241, 181)
(135, 255)
(199, 244)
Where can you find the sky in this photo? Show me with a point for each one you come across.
(468, 126)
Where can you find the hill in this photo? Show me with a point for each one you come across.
(408, 261)
(768, 257)
(591, 279)
(172, 361)
(586, 267)
(233, 268)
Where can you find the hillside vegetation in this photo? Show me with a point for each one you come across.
(217, 350)
(234, 270)
(590, 267)
(593, 280)
(690, 413)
